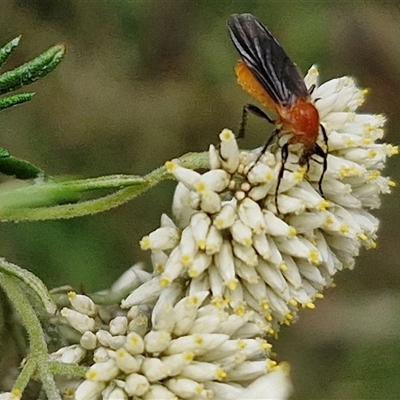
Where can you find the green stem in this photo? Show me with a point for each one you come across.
(14, 204)
(38, 355)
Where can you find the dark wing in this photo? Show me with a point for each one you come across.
(266, 59)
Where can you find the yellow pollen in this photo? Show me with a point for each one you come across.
(199, 388)
(159, 268)
(271, 364)
(226, 135)
(372, 154)
(299, 174)
(186, 260)
(268, 177)
(283, 267)
(328, 221)
(193, 273)
(221, 374)
(392, 183)
(202, 244)
(293, 302)
(232, 284)
(367, 140)
(71, 295)
(349, 142)
(200, 187)
(365, 91)
(344, 172)
(188, 357)
(91, 375)
(145, 243)
(247, 242)
(323, 205)
(266, 346)
(292, 232)
(289, 316)
(219, 223)
(319, 296)
(344, 228)
(268, 317)
(392, 150)
(362, 236)
(333, 285)
(373, 175)
(170, 166)
(264, 305)
(372, 245)
(240, 310)
(218, 301)
(198, 340)
(164, 282)
(314, 257)
(310, 305)
(192, 301)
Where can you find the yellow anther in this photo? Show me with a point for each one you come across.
(232, 284)
(367, 140)
(200, 187)
(186, 260)
(373, 175)
(164, 282)
(145, 243)
(221, 374)
(323, 205)
(293, 302)
(362, 236)
(226, 135)
(314, 257)
(283, 267)
(344, 228)
(170, 166)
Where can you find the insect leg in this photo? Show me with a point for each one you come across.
(284, 157)
(324, 156)
(256, 111)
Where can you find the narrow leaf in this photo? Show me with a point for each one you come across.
(32, 70)
(7, 49)
(22, 169)
(32, 281)
(10, 101)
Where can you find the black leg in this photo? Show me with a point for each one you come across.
(256, 111)
(324, 156)
(284, 157)
(312, 88)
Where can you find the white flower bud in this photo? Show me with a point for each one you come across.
(80, 322)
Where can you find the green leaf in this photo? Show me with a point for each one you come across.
(30, 280)
(10, 101)
(22, 169)
(32, 70)
(6, 50)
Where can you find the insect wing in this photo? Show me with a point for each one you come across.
(266, 59)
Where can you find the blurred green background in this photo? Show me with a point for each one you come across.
(146, 81)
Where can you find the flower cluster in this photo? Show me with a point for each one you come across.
(230, 239)
(232, 267)
(190, 350)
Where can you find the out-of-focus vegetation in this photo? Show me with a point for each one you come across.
(145, 81)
